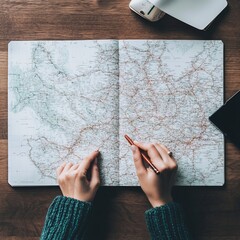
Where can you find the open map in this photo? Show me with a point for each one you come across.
(67, 98)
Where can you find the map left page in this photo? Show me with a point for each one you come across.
(62, 104)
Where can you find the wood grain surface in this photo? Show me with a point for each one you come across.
(212, 212)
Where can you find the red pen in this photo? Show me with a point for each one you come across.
(143, 155)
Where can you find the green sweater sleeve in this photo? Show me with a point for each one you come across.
(167, 222)
(66, 219)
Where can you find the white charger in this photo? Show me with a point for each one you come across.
(146, 10)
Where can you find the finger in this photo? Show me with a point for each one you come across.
(95, 179)
(73, 167)
(170, 161)
(168, 151)
(164, 147)
(138, 162)
(154, 155)
(86, 163)
(66, 168)
(150, 149)
(60, 168)
(163, 152)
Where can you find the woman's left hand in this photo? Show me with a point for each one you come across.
(74, 181)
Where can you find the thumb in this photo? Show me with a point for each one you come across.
(95, 178)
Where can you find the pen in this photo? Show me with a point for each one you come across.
(143, 155)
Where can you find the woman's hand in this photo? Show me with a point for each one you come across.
(157, 187)
(80, 181)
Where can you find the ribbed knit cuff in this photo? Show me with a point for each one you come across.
(66, 219)
(167, 222)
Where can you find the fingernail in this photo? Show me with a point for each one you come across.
(97, 150)
(134, 148)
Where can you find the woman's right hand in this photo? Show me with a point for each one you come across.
(157, 187)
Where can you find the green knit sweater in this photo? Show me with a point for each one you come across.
(167, 222)
(67, 218)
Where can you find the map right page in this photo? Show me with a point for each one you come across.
(168, 89)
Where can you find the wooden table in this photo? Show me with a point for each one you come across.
(212, 212)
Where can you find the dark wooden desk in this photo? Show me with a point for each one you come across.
(212, 212)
